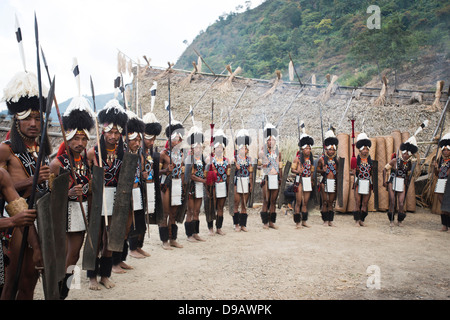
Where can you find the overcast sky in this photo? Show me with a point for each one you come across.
(94, 30)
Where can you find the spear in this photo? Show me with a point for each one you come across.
(212, 176)
(100, 159)
(41, 99)
(19, 40)
(353, 161)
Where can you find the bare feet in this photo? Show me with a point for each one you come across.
(121, 267)
(243, 228)
(166, 245)
(237, 228)
(107, 283)
(306, 224)
(143, 252)
(93, 284)
(273, 226)
(117, 269)
(191, 239)
(175, 244)
(198, 238)
(219, 231)
(136, 254)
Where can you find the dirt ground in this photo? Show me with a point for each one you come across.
(316, 263)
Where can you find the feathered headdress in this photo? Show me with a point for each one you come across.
(270, 131)
(410, 145)
(195, 136)
(330, 139)
(305, 139)
(21, 94)
(78, 117)
(152, 125)
(363, 141)
(220, 138)
(113, 114)
(135, 126)
(445, 142)
(243, 138)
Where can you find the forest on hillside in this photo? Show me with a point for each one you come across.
(323, 36)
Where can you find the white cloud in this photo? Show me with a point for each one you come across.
(92, 31)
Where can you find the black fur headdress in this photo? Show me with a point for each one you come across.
(114, 113)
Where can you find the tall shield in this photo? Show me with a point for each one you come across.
(340, 182)
(58, 209)
(47, 242)
(181, 211)
(230, 190)
(445, 205)
(287, 169)
(122, 202)
(95, 218)
(375, 183)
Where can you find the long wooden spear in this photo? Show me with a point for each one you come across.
(100, 159)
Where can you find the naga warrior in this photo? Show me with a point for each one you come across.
(243, 179)
(303, 167)
(271, 164)
(136, 234)
(221, 165)
(328, 168)
(195, 157)
(18, 155)
(150, 175)
(78, 120)
(172, 169)
(398, 181)
(363, 179)
(113, 118)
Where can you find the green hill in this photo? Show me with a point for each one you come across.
(324, 36)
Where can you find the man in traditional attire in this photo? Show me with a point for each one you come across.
(398, 181)
(114, 119)
(362, 185)
(150, 174)
(303, 167)
(195, 157)
(221, 165)
(18, 155)
(78, 120)
(271, 164)
(172, 171)
(328, 168)
(442, 171)
(136, 219)
(243, 179)
(135, 130)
